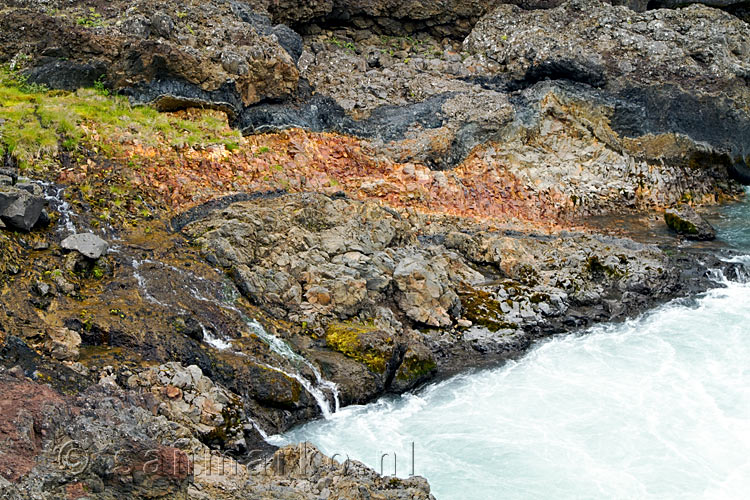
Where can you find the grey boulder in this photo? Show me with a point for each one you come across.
(87, 244)
(687, 222)
(20, 209)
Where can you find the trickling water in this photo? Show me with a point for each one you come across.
(56, 200)
(214, 341)
(657, 407)
(282, 348)
(224, 298)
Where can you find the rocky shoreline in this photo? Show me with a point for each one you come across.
(347, 199)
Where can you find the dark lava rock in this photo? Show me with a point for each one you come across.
(20, 209)
(686, 221)
(129, 45)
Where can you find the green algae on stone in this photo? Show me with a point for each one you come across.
(482, 309)
(415, 367)
(679, 224)
(363, 342)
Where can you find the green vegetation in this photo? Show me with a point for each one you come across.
(91, 19)
(415, 367)
(40, 123)
(341, 44)
(682, 226)
(482, 309)
(348, 338)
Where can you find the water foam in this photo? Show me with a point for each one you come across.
(657, 407)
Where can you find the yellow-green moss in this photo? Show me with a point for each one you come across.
(346, 338)
(682, 226)
(40, 123)
(414, 368)
(482, 309)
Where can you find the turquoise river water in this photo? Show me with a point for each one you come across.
(657, 407)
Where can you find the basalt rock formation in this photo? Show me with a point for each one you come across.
(336, 200)
(173, 55)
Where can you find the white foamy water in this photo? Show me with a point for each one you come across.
(654, 408)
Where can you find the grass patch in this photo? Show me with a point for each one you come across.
(40, 123)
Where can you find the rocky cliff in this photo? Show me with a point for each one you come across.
(220, 219)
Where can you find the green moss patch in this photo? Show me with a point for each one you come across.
(482, 309)
(415, 367)
(363, 342)
(39, 123)
(679, 224)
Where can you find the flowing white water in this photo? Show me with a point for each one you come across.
(654, 408)
(657, 407)
(225, 299)
(55, 197)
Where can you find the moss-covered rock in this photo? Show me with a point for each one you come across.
(481, 308)
(417, 365)
(687, 222)
(363, 342)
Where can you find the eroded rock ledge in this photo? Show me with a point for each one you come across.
(402, 296)
(478, 127)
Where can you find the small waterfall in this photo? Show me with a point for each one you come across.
(317, 394)
(54, 196)
(214, 341)
(742, 273)
(280, 347)
(260, 430)
(224, 300)
(142, 283)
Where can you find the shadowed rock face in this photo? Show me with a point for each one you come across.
(198, 53)
(670, 72)
(451, 17)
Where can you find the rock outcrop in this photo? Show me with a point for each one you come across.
(402, 296)
(170, 54)
(540, 93)
(671, 74)
(108, 443)
(686, 221)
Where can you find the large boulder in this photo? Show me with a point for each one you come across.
(687, 222)
(20, 209)
(63, 344)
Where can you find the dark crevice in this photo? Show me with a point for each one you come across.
(561, 69)
(201, 211)
(397, 357)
